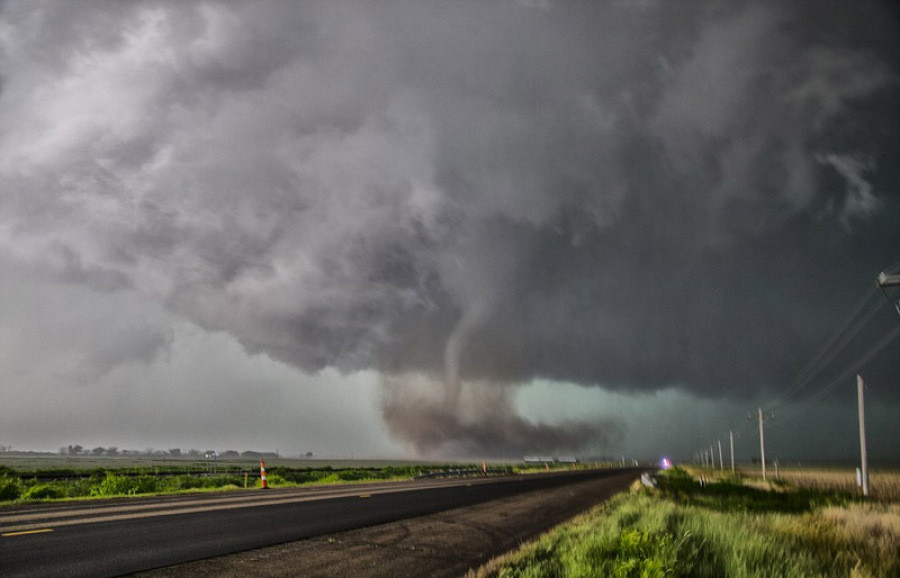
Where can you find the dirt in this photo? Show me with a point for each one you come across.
(445, 544)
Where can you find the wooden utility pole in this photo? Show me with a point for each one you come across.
(862, 435)
(762, 444)
(731, 439)
(721, 463)
(762, 439)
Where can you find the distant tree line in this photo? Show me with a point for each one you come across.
(79, 450)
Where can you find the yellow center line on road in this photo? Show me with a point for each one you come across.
(41, 531)
(365, 495)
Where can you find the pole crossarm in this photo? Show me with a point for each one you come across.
(885, 280)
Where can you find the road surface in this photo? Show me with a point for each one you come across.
(123, 536)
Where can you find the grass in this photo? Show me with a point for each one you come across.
(717, 529)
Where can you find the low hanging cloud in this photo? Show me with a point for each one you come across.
(632, 195)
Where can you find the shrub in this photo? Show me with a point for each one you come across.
(274, 480)
(113, 485)
(10, 488)
(42, 492)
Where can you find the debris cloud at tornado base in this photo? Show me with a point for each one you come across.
(483, 423)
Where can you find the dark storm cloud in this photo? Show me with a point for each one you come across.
(635, 195)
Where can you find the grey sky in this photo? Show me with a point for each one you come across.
(402, 217)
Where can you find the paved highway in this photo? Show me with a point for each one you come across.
(117, 537)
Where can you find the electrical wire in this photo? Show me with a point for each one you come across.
(846, 374)
(834, 345)
(859, 317)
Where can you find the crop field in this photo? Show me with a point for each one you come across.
(31, 461)
(729, 526)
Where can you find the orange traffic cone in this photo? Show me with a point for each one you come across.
(262, 474)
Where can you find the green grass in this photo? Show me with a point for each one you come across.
(716, 530)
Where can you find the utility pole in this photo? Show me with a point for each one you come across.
(731, 439)
(721, 464)
(862, 435)
(762, 439)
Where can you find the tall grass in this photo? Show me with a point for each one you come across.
(716, 530)
(885, 485)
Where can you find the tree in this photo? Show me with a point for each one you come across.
(98, 451)
(175, 451)
(112, 451)
(75, 450)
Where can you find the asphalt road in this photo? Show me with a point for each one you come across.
(124, 536)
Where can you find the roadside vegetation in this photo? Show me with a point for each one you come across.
(33, 486)
(57, 484)
(717, 528)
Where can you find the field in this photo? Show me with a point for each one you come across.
(31, 461)
(726, 527)
(884, 484)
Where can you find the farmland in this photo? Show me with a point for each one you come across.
(31, 461)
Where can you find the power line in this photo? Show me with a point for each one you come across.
(843, 376)
(860, 315)
(835, 344)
